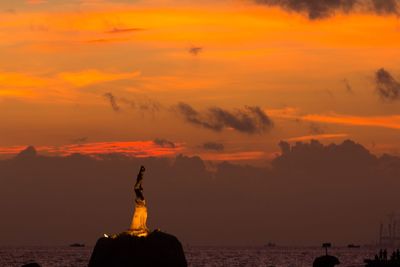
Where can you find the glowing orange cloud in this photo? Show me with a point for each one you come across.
(137, 149)
(316, 137)
(388, 121)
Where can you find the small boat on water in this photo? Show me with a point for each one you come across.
(77, 245)
(353, 246)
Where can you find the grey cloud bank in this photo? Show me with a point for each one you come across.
(309, 193)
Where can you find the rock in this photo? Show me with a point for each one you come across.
(326, 261)
(157, 249)
(34, 264)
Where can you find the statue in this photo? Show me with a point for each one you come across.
(138, 225)
(138, 246)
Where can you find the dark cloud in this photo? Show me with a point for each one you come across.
(113, 102)
(195, 50)
(213, 146)
(124, 30)
(164, 143)
(317, 9)
(144, 105)
(385, 6)
(249, 120)
(386, 85)
(305, 190)
(347, 86)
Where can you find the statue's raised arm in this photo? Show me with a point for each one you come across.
(138, 185)
(138, 225)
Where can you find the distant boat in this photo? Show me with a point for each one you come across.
(77, 245)
(353, 246)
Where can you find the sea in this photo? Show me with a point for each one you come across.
(196, 256)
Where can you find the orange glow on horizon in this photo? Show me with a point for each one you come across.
(137, 149)
(316, 137)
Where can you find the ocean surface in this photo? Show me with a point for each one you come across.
(196, 256)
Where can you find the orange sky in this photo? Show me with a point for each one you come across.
(60, 59)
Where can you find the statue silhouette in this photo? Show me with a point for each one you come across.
(138, 185)
(138, 225)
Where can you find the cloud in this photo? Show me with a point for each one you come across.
(310, 183)
(250, 120)
(195, 50)
(135, 149)
(318, 9)
(385, 6)
(316, 137)
(124, 30)
(387, 87)
(113, 102)
(348, 87)
(164, 143)
(213, 146)
(144, 105)
(388, 121)
(107, 40)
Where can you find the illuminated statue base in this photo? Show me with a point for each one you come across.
(138, 225)
(127, 250)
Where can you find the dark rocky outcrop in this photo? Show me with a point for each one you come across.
(156, 249)
(34, 264)
(326, 261)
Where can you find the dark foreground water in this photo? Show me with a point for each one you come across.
(196, 256)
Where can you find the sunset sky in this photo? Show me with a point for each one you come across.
(226, 80)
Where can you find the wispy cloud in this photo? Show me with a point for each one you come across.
(348, 87)
(318, 9)
(316, 137)
(138, 149)
(213, 146)
(113, 102)
(289, 113)
(386, 85)
(195, 50)
(250, 120)
(391, 121)
(124, 30)
(164, 143)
